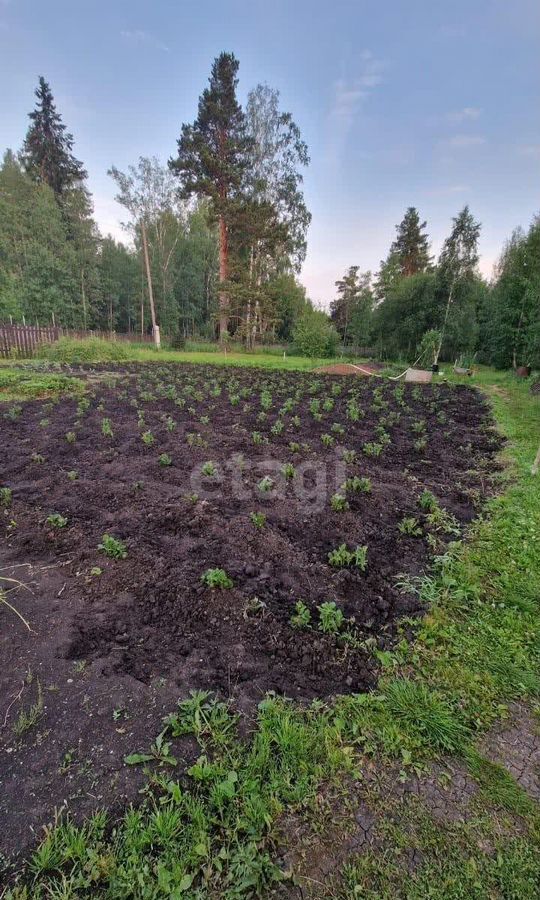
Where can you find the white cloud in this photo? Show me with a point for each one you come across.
(530, 150)
(462, 141)
(448, 190)
(467, 114)
(348, 96)
(109, 215)
(138, 38)
(453, 31)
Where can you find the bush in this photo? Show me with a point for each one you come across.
(93, 350)
(428, 346)
(178, 341)
(314, 335)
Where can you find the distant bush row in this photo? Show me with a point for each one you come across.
(93, 349)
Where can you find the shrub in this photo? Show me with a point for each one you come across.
(360, 558)
(330, 618)
(344, 557)
(357, 485)
(5, 496)
(195, 440)
(177, 341)
(113, 547)
(409, 526)
(216, 578)
(165, 460)
(340, 557)
(428, 501)
(301, 617)
(93, 349)
(106, 428)
(314, 335)
(338, 503)
(56, 520)
(266, 400)
(428, 346)
(372, 449)
(258, 519)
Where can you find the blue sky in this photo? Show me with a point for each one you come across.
(424, 103)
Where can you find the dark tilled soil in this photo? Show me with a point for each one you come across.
(110, 653)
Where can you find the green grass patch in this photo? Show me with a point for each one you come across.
(499, 788)
(451, 865)
(27, 384)
(97, 350)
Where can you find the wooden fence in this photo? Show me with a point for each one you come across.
(23, 340)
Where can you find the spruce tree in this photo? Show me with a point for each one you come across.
(411, 245)
(213, 158)
(47, 151)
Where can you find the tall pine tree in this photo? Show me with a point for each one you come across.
(411, 246)
(47, 151)
(213, 158)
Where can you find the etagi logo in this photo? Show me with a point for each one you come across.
(310, 483)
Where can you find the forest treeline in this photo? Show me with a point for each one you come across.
(216, 238)
(414, 296)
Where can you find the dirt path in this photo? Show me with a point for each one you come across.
(381, 815)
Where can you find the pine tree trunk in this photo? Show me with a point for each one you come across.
(155, 327)
(223, 274)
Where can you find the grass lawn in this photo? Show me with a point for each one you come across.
(218, 832)
(101, 351)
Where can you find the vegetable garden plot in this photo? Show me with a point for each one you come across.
(239, 531)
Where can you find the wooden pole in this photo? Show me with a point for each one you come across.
(155, 326)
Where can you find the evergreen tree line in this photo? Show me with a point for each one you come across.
(218, 237)
(462, 315)
(218, 234)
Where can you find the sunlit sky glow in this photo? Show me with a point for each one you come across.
(424, 103)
